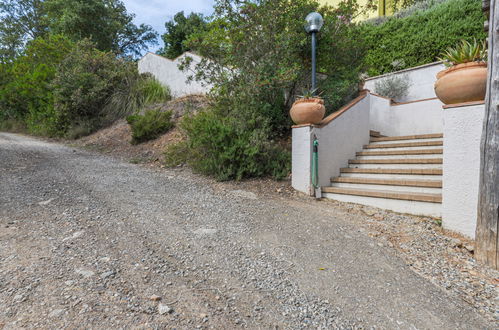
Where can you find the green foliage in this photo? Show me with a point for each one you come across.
(420, 38)
(257, 56)
(85, 81)
(178, 31)
(27, 93)
(150, 125)
(465, 52)
(106, 22)
(220, 147)
(21, 20)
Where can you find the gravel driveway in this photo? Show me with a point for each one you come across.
(87, 241)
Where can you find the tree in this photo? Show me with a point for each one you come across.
(104, 22)
(178, 31)
(487, 238)
(20, 21)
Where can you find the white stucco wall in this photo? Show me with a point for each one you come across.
(461, 168)
(168, 73)
(301, 146)
(341, 139)
(405, 119)
(422, 80)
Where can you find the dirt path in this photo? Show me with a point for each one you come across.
(89, 241)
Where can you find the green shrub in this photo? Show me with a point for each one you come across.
(219, 147)
(150, 125)
(84, 83)
(393, 86)
(26, 93)
(421, 37)
(134, 94)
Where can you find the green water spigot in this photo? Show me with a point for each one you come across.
(315, 164)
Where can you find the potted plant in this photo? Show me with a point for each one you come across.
(308, 108)
(465, 80)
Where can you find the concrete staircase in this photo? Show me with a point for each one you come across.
(401, 173)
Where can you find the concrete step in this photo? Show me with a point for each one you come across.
(418, 197)
(392, 182)
(392, 176)
(403, 148)
(397, 161)
(399, 152)
(395, 166)
(408, 137)
(404, 189)
(408, 157)
(412, 171)
(397, 205)
(405, 145)
(404, 141)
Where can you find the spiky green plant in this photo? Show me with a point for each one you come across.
(309, 94)
(465, 52)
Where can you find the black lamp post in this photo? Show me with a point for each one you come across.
(314, 22)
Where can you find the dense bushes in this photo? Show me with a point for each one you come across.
(220, 147)
(26, 93)
(58, 88)
(150, 125)
(420, 38)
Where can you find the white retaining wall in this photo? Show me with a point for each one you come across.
(341, 139)
(422, 117)
(461, 168)
(338, 142)
(301, 159)
(168, 73)
(422, 79)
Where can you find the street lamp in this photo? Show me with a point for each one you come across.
(314, 22)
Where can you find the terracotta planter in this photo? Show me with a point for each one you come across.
(307, 111)
(462, 83)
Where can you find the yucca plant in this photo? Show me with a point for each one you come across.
(309, 94)
(465, 52)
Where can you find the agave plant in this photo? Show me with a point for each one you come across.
(309, 94)
(465, 52)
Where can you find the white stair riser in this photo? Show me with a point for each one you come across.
(382, 166)
(403, 148)
(425, 156)
(392, 176)
(407, 189)
(402, 206)
(407, 141)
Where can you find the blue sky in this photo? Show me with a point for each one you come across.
(157, 12)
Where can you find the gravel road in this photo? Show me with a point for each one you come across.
(88, 241)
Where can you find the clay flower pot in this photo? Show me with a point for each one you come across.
(308, 111)
(462, 83)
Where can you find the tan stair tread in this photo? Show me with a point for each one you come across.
(397, 161)
(390, 182)
(420, 197)
(407, 137)
(404, 145)
(416, 171)
(400, 152)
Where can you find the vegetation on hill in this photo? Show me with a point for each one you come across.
(65, 68)
(403, 41)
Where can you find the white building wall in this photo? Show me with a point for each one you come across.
(168, 73)
(423, 117)
(422, 79)
(461, 168)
